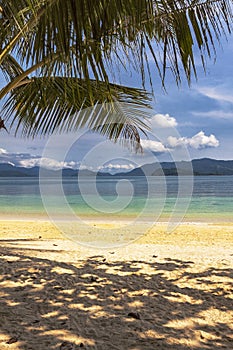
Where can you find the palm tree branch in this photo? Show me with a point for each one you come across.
(11, 68)
(46, 105)
(23, 30)
(96, 33)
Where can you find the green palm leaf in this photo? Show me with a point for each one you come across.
(45, 105)
(90, 35)
(10, 68)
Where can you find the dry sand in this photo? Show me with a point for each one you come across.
(164, 291)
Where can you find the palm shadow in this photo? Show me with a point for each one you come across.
(101, 304)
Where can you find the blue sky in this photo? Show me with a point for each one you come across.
(198, 118)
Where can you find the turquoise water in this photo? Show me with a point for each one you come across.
(211, 200)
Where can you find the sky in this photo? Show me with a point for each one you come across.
(186, 123)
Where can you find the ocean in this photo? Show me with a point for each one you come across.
(155, 198)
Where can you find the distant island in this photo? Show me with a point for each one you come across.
(204, 166)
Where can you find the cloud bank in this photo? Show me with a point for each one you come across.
(47, 163)
(163, 121)
(219, 94)
(154, 146)
(198, 141)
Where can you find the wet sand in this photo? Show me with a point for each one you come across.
(165, 290)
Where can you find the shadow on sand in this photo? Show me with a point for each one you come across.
(101, 304)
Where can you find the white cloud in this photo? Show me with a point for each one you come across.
(117, 166)
(220, 94)
(3, 151)
(86, 167)
(110, 167)
(163, 121)
(216, 114)
(29, 163)
(198, 141)
(153, 146)
(47, 163)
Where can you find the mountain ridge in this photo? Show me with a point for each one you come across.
(202, 166)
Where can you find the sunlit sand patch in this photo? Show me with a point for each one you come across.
(64, 335)
(61, 271)
(214, 316)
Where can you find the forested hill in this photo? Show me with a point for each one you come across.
(203, 166)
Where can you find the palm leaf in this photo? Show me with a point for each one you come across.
(10, 68)
(46, 105)
(88, 35)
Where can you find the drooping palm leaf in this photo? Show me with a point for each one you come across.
(45, 105)
(89, 34)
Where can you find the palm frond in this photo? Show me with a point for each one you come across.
(89, 34)
(10, 68)
(46, 105)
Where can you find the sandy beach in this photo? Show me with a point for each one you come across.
(165, 291)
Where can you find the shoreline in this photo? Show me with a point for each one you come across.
(192, 220)
(117, 232)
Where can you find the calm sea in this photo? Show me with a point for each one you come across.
(158, 198)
